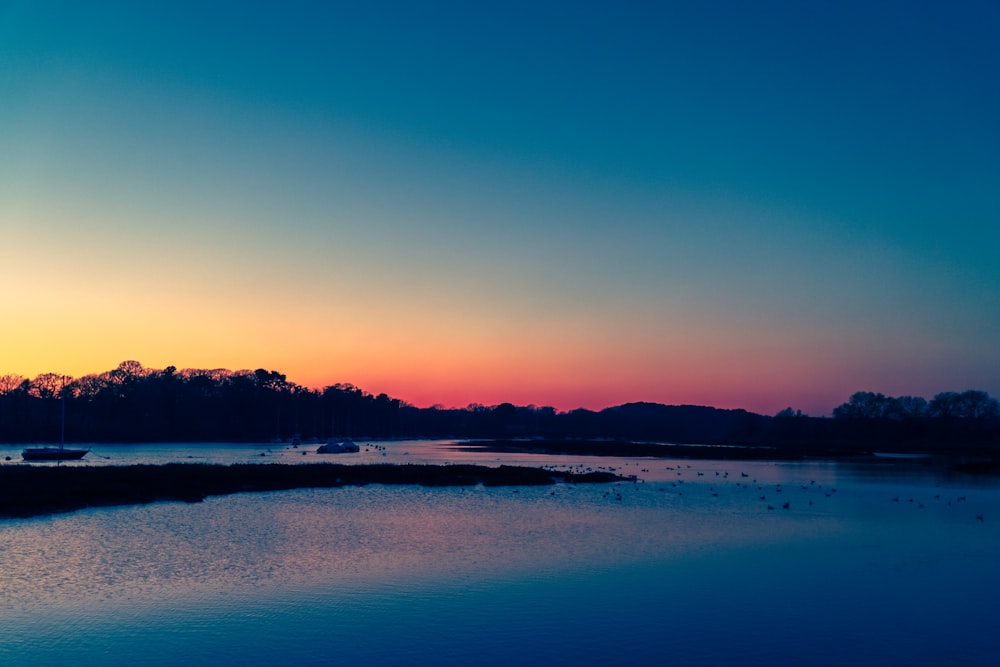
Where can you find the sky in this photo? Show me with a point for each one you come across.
(567, 204)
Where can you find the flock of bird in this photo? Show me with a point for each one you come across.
(771, 495)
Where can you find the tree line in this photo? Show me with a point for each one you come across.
(132, 403)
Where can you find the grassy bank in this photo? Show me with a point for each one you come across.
(27, 490)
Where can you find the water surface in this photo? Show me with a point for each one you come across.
(686, 565)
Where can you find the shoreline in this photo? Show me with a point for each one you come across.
(969, 457)
(29, 491)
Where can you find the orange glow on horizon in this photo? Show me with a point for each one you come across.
(477, 357)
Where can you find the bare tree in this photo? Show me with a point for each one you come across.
(48, 385)
(10, 383)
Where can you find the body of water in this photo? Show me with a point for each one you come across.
(694, 563)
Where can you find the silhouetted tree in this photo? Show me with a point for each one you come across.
(133, 403)
(48, 385)
(905, 407)
(972, 404)
(863, 405)
(10, 383)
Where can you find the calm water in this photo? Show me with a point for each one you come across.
(686, 566)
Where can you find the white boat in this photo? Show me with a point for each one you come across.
(334, 447)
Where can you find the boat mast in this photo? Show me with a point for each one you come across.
(62, 421)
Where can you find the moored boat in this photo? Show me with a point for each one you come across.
(53, 454)
(334, 447)
(59, 453)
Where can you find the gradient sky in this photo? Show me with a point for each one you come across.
(574, 204)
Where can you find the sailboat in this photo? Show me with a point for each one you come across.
(59, 453)
(334, 446)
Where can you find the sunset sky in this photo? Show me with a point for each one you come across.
(573, 204)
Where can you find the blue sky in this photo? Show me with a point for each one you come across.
(746, 205)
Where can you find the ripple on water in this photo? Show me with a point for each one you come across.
(699, 571)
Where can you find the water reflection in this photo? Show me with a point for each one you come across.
(693, 561)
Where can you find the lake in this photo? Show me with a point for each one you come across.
(694, 563)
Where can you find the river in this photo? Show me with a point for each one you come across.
(693, 563)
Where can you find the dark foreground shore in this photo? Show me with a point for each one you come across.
(35, 490)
